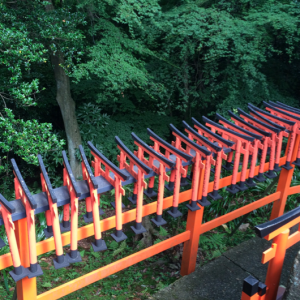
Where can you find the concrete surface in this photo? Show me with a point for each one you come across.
(293, 286)
(222, 278)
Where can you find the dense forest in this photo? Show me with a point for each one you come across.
(73, 71)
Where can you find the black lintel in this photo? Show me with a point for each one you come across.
(266, 120)
(271, 116)
(269, 227)
(128, 153)
(47, 179)
(189, 142)
(284, 106)
(281, 111)
(88, 167)
(62, 195)
(214, 135)
(7, 204)
(256, 136)
(107, 162)
(233, 116)
(70, 173)
(201, 138)
(158, 156)
(242, 136)
(24, 187)
(169, 147)
(271, 128)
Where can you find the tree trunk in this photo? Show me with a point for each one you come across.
(67, 108)
(66, 105)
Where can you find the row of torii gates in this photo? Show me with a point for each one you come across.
(205, 151)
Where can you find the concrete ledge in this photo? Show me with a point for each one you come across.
(222, 278)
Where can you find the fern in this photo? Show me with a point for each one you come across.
(120, 249)
(113, 245)
(213, 242)
(204, 242)
(216, 253)
(157, 241)
(163, 231)
(217, 240)
(95, 254)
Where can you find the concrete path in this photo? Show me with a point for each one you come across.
(222, 278)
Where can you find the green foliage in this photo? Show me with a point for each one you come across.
(21, 51)
(46, 284)
(17, 53)
(112, 61)
(157, 241)
(191, 57)
(213, 241)
(98, 127)
(16, 137)
(5, 280)
(25, 139)
(113, 245)
(214, 58)
(163, 231)
(121, 248)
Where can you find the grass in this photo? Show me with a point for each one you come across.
(145, 278)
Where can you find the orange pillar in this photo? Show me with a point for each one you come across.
(26, 288)
(65, 224)
(246, 297)
(193, 224)
(275, 265)
(284, 183)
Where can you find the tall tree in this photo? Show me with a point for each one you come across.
(18, 93)
(55, 31)
(66, 103)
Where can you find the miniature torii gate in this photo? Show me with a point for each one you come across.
(277, 230)
(253, 149)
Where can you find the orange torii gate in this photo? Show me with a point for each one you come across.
(277, 230)
(163, 158)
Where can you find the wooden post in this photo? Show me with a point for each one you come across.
(284, 184)
(193, 224)
(276, 264)
(26, 288)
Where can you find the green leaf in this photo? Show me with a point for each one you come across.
(113, 245)
(163, 231)
(5, 280)
(216, 253)
(120, 249)
(46, 285)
